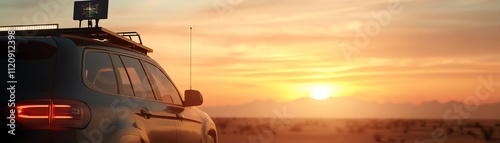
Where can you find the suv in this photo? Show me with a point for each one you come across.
(92, 85)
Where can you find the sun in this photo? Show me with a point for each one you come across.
(321, 92)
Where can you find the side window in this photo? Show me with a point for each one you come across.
(166, 88)
(138, 78)
(122, 76)
(98, 72)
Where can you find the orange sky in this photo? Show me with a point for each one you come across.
(245, 50)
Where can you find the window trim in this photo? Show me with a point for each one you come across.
(168, 78)
(140, 58)
(82, 75)
(119, 80)
(145, 72)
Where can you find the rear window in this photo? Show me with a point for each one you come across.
(31, 62)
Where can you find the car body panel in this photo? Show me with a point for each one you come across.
(113, 116)
(189, 129)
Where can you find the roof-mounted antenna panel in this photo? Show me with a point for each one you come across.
(90, 10)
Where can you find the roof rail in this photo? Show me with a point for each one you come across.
(95, 33)
(29, 27)
(130, 35)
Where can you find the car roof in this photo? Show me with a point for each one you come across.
(103, 35)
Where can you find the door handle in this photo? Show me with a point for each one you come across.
(146, 113)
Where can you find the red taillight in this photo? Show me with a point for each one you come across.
(53, 114)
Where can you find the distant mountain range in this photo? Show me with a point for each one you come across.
(349, 107)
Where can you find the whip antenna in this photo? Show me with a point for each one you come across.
(190, 55)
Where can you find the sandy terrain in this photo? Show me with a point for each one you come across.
(274, 130)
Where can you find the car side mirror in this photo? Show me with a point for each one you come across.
(192, 98)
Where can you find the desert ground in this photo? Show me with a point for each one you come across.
(309, 130)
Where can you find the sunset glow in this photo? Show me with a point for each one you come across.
(375, 50)
(322, 92)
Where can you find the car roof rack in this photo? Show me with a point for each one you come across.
(123, 39)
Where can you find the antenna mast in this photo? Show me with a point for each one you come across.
(190, 55)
